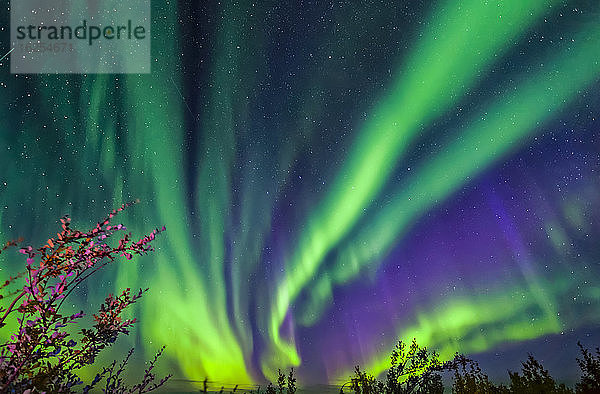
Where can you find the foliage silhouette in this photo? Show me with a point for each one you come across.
(590, 368)
(534, 379)
(417, 371)
(468, 378)
(412, 370)
(42, 356)
(285, 384)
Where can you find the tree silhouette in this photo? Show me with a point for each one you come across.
(590, 368)
(412, 370)
(534, 379)
(468, 378)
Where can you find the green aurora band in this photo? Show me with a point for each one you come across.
(505, 125)
(465, 40)
(137, 153)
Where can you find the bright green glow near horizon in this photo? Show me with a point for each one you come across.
(473, 324)
(476, 323)
(463, 40)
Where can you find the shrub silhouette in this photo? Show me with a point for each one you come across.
(42, 355)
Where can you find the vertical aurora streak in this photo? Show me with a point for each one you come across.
(317, 170)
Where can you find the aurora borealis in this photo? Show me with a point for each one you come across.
(334, 176)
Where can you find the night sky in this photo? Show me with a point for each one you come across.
(334, 176)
